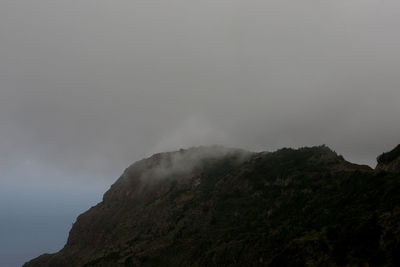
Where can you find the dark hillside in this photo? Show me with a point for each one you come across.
(226, 207)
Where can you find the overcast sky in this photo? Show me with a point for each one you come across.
(88, 87)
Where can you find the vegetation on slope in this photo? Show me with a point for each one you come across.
(305, 207)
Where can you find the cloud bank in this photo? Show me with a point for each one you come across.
(89, 87)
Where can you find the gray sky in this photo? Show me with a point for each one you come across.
(88, 87)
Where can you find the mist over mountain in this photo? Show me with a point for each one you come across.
(216, 206)
(89, 87)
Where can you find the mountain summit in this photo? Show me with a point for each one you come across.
(214, 206)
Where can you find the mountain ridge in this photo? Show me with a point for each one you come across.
(214, 206)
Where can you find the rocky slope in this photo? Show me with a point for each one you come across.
(390, 161)
(212, 206)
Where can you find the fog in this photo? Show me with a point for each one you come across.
(182, 163)
(89, 87)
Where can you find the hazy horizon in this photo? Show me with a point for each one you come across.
(89, 87)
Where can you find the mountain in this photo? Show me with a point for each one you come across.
(390, 161)
(214, 206)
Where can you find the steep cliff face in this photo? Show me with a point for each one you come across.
(212, 206)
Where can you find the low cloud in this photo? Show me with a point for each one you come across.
(184, 162)
(88, 88)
